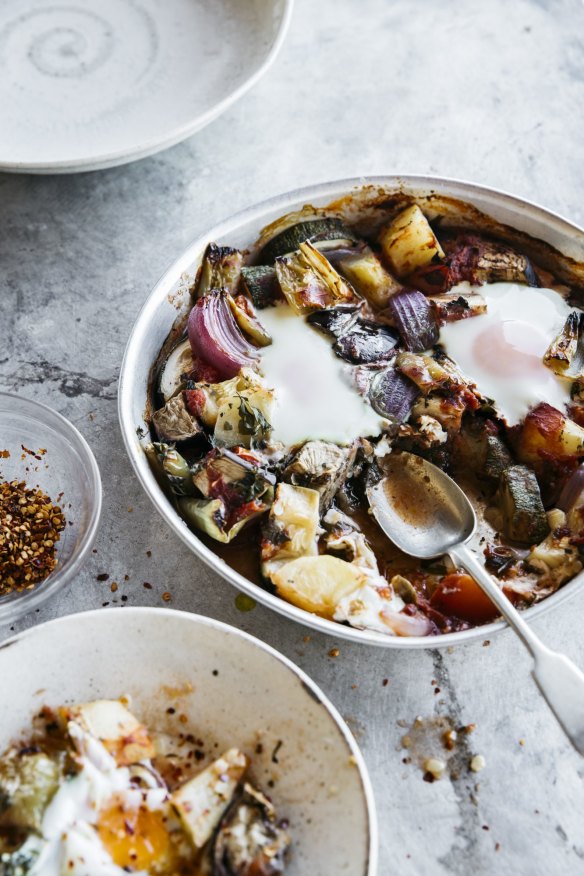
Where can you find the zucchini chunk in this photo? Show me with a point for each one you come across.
(174, 422)
(322, 233)
(110, 721)
(524, 517)
(362, 268)
(565, 355)
(409, 243)
(309, 281)
(292, 527)
(322, 466)
(176, 369)
(28, 782)
(221, 269)
(201, 802)
(318, 583)
(249, 841)
(261, 284)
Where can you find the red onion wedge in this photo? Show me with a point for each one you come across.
(415, 320)
(216, 338)
(573, 490)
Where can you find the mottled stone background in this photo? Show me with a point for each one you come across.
(491, 91)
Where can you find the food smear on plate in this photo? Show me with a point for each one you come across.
(93, 792)
(30, 527)
(309, 362)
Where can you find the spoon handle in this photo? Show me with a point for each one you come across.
(559, 680)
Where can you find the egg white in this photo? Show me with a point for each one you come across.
(502, 350)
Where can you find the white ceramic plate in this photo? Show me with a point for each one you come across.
(89, 84)
(240, 687)
(172, 295)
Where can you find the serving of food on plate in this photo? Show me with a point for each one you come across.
(347, 335)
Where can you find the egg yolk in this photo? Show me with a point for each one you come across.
(510, 348)
(135, 838)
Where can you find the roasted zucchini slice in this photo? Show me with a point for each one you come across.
(409, 243)
(323, 233)
(261, 284)
(523, 515)
(221, 269)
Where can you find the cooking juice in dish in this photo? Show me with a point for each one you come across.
(303, 366)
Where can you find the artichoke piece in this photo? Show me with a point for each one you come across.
(309, 281)
(323, 233)
(334, 322)
(119, 731)
(409, 243)
(366, 342)
(318, 583)
(292, 527)
(249, 841)
(28, 781)
(565, 355)
(244, 408)
(173, 467)
(261, 284)
(452, 306)
(174, 422)
(201, 802)
(221, 269)
(176, 369)
(362, 268)
(524, 517)
(322, 466)
(247, 320)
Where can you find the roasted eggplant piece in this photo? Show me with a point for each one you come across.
(415, 320)
(247, 320)
(392, 395)
(322, 233)
(261, 284)
(309, 281)
(476, 260)
(364, 270)
(221, 269)
(176, 370)
(453, 306)
(366, 342)
(408, 243)
(336, 321)
(322, 466)
(565, 355)
(523, 515)
(249, 841)
(174, 422)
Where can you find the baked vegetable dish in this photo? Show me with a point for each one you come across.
(307, 360)
(94, 793)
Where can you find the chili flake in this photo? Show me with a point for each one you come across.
(30, 526)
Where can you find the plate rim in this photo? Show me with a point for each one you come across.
(119, 157)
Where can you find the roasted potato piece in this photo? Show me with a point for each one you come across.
(409, 243)
(317, 584)
(366, 274)
(115, 726)
(547, 433)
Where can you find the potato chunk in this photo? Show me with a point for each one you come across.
(120, 732)
(317, 584)
(409, 243)
(548, 433)
(292, 527)
(201, 802)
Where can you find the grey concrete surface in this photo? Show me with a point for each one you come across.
(489, 91)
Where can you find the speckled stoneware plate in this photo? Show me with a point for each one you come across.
(348, 198)
(234, 690)
(88, 84)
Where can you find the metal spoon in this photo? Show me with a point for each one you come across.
(426, 514)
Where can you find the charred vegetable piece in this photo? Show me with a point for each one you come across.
(322, 466)
(176, 369)
(392, 395)
(174, 467)
(221, 269)
(309, 281)
(215, 336)
(318, 583)
(565, 355)
(409, 243)
(431, 280)
(110, 721)
(453, 306)
(201, 802)
(497, 458)
(291, 528)
(261, 284)
(334, 322)
(424, 371)
(477, 260)
(28, 781)
(480, 449)
(366, 342)
(547, 433)
(321, 233)
(174, 422)
(415, 320)
(247, 320)
(249, 841)
(362, 268)
(524, 518)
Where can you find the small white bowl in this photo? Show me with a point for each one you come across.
(234, 691)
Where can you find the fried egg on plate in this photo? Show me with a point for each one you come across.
(502, 350)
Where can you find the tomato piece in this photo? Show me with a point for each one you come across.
(459, 595)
